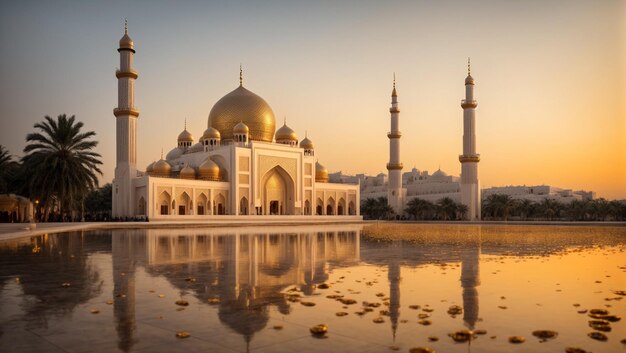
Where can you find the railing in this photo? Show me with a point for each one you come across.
(469, 103)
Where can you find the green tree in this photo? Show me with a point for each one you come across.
(461, 210)
(62, 165)
(498, 206)
(5, 162)
(577, 210)
(98, 203)
(376, 208)
(446, 208)
(419, 208)
(524, 208)
(550, 208)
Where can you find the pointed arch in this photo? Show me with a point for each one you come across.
(163, 203)
(319, 207)
(341, 207)
(201, 204)
(330, 206)
(278, 192)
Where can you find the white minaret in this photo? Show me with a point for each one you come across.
(470, 187)
(126, 130)
(395, 192)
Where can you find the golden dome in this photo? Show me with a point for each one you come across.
(185, 136)
(241, 128)
(211, 133)
(469, 80)
(187, 173)
(209, 170)
(286, 133)
(161, 168)
(126, 42)
(307, 144)
(244, 106)
(150, 167)
(321, 173)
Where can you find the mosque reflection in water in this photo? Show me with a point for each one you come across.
(247, 270)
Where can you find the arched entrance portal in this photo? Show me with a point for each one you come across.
(278, 192)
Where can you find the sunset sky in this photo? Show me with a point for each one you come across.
(550, 78)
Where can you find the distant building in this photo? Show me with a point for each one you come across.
(538, 193)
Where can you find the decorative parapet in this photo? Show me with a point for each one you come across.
(130, 73)
(126, 111)
(394, 166)
(465, 103)
(394, 135)
(471, 158)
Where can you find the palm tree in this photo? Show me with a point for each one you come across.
(61, 163)
(447, 208)
(5, 161)
(550, 208)
(419, 208)
(498, 205)
(524, 208)
(461, 210)
(376, 208)
(577, 210)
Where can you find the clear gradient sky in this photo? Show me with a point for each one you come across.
(550, 78)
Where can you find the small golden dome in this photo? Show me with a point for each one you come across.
(469, 80)
(126, 42)
(241, 105)
(161, 168)
(185, 136)
(321, 173)
(241, 128)
(187, 173)
(209, 170)
(286, 133)
(307, 144)
(211, 133)
(150, 167)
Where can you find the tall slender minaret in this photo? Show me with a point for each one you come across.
(395, 192)
(470, 187)
(126, 130)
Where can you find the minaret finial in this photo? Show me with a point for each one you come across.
(285, 120)
(240, 75)
(306, 133)
(125, 26)
(161, 152)
(185, 124)
(468, 66)
(394, 80)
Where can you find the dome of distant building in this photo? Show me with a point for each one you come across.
(242, 105)
(174, 153)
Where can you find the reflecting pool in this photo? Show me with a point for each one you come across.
(377, 288)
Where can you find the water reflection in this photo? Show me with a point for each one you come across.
(250, 271)
(247, 271)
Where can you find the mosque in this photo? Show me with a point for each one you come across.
(240, 165)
